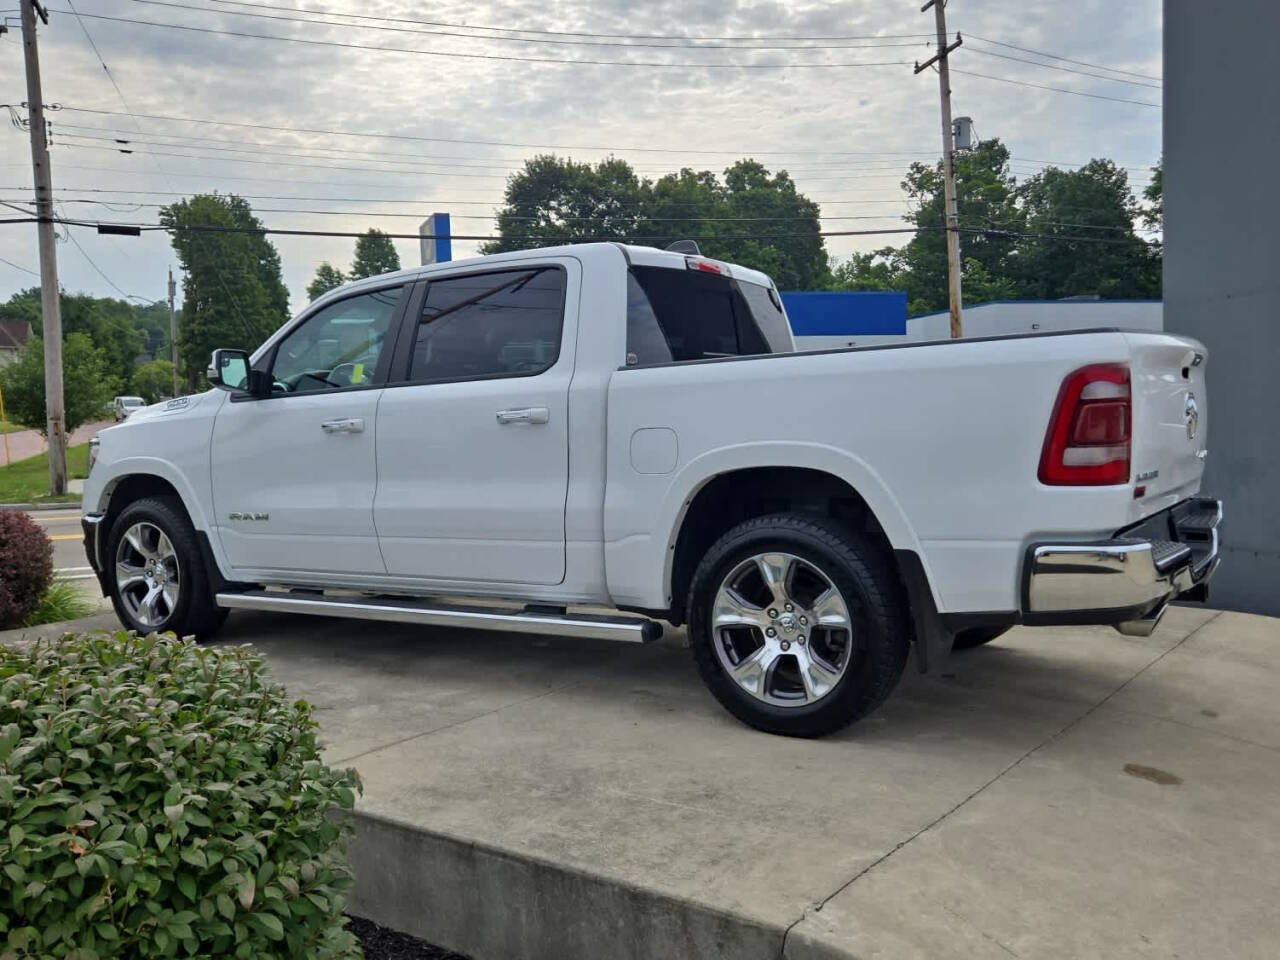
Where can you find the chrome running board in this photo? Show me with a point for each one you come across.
(428, 614)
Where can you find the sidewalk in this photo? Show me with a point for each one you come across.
(1062, 793)
(28, 443)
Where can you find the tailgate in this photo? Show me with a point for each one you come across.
(1169, 416)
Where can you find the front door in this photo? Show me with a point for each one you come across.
(473, 432)
(294, 474)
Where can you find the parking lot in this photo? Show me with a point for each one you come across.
(1060, 793)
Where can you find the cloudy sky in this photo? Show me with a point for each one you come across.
(438, 123)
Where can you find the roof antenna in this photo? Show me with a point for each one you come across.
(689, 247)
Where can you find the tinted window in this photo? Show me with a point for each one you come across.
(337, 347)
(697, 316)
(766, 310)
(490, 324)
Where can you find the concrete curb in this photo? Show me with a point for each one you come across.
(30, 507)
(495, 904)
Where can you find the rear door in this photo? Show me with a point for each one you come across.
(473, 432)
(1169, 416)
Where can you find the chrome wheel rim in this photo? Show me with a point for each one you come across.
(782, 630)
(147, 574)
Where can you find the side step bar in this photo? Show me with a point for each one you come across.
(394, 610)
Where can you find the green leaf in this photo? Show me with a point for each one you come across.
(269, 924)
(106, 931)
(244, 891)
(194, 856)
(188, 886)
(226, 907)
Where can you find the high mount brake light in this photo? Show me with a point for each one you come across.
(707, 266)
(1091, 431)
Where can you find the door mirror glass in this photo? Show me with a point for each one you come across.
(229, 369)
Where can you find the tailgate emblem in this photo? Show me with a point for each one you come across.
(1192, 414)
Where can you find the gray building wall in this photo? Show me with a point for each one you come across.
(1222, 266)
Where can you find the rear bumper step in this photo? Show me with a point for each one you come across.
(427, 613)
(1129, 580)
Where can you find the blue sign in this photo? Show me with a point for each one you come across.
(840, 314)
(437, 244)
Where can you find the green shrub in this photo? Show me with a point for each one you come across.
(62, 601)
(26, 566)
(158, 799)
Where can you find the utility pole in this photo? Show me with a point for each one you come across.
(948, 162)
(55, 420)
(173, 333)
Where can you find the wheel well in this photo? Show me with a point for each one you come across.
(730, 498)
(135, 487)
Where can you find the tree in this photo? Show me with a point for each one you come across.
(753, 217)
(153, 381)
(1081, 240)
(233, 294)
(111, 324)
(1153, 215)
(559, 201)
(88, 383)
(327, 278)
(375, 254)
(985, 200)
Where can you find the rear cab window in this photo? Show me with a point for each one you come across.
(675, 315)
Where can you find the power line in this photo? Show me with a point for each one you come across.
(421, 203)
(491, 56)
(264, 231)
(1054, 56)
(496, 143)
(570, 33)
(490, 162)
(34, 273)
(125, 146)
(497, 161)
(1041, 86)
(417, 216)
(472, 36)
(1048, 66)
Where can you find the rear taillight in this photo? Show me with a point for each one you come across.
(1091, 429)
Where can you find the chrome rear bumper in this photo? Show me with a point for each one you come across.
(1126, 581)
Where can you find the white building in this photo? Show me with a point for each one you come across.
(1003, 317)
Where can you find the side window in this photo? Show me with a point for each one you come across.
(645, 340)
(679, 315)
(337, 347)
(505, 323)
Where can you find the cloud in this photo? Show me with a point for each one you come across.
(808, 113)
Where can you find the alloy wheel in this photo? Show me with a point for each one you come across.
(781, 629)
(147, 574)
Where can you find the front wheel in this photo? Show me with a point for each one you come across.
(158, 578)
(798, 625)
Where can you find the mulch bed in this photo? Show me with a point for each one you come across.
(379, 943)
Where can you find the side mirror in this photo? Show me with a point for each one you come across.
(229, 370)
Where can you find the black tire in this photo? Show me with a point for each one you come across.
(879, 639)
(194, 612)
(977, 636)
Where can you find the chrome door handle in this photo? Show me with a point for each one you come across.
(348, 425)
(524, 415)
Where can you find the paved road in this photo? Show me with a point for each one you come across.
(63, 528)
(27, 443)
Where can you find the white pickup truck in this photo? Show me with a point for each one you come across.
(630, 429)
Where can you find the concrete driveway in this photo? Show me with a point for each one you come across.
(1059, 793)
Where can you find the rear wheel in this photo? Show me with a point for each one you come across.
(158, 578)
(798, 625)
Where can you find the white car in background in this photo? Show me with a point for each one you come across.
(124, 407)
